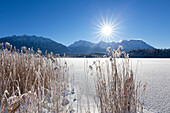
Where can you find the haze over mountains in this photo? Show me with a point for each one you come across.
(78, 47)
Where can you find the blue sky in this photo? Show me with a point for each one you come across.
(66, 21)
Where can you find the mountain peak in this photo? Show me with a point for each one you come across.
(81, 43)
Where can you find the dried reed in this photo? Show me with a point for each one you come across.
(116, 88)
(30, 82)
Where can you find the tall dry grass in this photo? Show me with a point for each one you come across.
(30, 82)
(117, 90)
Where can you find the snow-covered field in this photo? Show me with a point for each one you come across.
(155, 72)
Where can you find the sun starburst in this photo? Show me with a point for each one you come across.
(107, 29)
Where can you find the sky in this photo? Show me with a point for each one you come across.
(67, 21)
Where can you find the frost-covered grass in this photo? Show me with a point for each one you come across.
(116, 89)
(31, 82)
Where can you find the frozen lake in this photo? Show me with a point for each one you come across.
(155, 72)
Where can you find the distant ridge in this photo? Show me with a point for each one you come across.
(85, 47)
(36, 42)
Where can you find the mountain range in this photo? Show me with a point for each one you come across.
(85, 47)
(78, 47)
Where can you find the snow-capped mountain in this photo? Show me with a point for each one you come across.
(78, 47)
(36, 42)
(83, 47)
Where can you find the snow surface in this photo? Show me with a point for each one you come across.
(155, 72)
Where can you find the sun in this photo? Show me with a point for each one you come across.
(107, 29)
